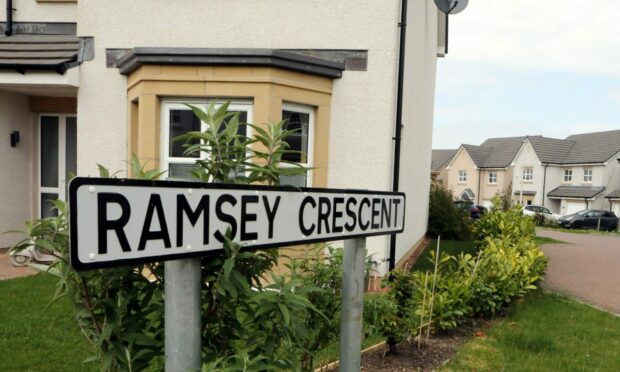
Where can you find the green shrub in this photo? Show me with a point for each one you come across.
(511, 226)
(444, 218)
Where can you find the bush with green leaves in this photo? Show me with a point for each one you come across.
(444, 218)
(245, 321)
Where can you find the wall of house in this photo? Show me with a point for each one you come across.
(418, 109)
(489, 190)
(42, 11)
(527, 158)
(362, 111)
(462, 161)
(611, 177)
(17, 164)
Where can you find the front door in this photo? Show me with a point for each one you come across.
(57, 159)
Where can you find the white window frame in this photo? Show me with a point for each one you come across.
(462, 176)
(568, 176)
(492, 178)
(180, 104)
(528, 176)
(587, 175)
(310, 110)
(61, 189)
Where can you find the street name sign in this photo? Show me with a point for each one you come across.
(116, 222)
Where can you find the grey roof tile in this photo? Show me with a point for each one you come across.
(595, 147)
(440, 157)
(478, 154)
(576, 191)
(614, 194)
(551, 150)
(38, 51)
(503, 151)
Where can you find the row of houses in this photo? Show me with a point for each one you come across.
(565, 175)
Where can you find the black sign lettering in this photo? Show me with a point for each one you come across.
(147, 234)
(386, 212)
(395, 202)
(324, 211)
(103, 224)
(246, 216)
(351, 203)
(183, 208)
(271, 212)
(336, 215)
(225, 217)
(363, 226)
(304, 230)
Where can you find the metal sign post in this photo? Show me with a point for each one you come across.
(119, 222)
(352, 319)
(182, 315)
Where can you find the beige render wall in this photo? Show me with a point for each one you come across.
(488, 191)
(362, 113)
(17, 164)
(35, 11)
(462, 161)
(418, 110)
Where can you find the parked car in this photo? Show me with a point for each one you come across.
(475, 211)
(531, 210)
(590, 219)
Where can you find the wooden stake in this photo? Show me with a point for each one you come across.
(422, 309)
(430, 318)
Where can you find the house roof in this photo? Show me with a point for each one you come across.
(38, 52)
(494, 152)
(595, 147)
(503, 151)
(550, 150)
(585, 192)
(614, 194)
(440, 157)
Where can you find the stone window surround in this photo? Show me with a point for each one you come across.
(267, 87)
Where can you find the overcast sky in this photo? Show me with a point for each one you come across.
(529, 67)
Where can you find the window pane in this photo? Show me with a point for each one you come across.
(180, 171)
(297, 181)
(71, 148)
(49, 151)
(298, 141)
(181, 122)
(47, 206)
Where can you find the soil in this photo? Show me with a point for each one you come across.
(434, 353)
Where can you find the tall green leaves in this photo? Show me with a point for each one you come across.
(227, 155)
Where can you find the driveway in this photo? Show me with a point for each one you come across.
(587, 269)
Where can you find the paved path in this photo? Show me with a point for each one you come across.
(8, 271)
(587, 269)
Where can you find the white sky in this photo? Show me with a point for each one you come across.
(529, 67)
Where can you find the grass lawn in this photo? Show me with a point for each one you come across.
(33, 338)
(452, 247)
(545, 332)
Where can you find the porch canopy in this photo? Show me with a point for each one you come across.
(576, 192)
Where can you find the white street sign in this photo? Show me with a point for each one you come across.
(117, 222)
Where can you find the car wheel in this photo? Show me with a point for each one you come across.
(577, 225)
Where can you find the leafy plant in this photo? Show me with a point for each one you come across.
(444, 218)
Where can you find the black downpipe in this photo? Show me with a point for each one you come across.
(399, 120)
(9, 18)
(479, 181)
(544, 185)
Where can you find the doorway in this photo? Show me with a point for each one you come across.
(57, 154)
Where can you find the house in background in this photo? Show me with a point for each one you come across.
(579, 172)
(478, 173)
(439, 160)
(87, 83)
